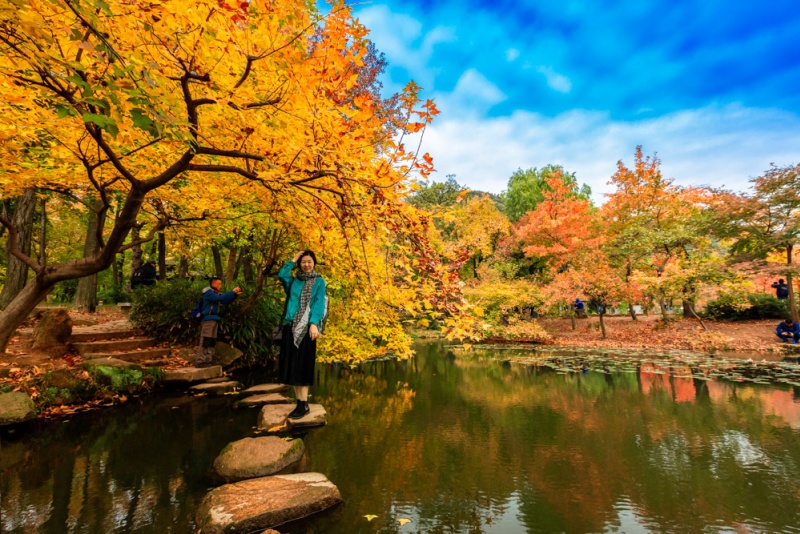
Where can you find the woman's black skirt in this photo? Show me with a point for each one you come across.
(296, 365)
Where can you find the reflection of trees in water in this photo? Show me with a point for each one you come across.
(126, 469)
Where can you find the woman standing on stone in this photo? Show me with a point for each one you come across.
(302, 324)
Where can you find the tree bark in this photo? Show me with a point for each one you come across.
(162, 256)
(43, 235)
(136, 250)
(790, 283)
(632, 311)
(230, 269)
(217, 261)
(247, 267)
(86, 294)
(17, 270)
(183, 268)
(602, 322)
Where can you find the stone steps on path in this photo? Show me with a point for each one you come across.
(140, 356)
(84, 337)
(120, 345)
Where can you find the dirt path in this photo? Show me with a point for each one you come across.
(650, 332)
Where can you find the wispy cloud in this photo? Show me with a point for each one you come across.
(555, 81)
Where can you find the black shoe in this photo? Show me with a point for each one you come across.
(300, 411)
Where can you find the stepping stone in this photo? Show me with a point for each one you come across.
(133, 356)
(190, 375)
(218, 380)
(15, 407)
(270, 398)
(263, 389)
(110, 362)
(217, 388)
(119, 345)
(274, 415)
(260, 503)
(256, 457)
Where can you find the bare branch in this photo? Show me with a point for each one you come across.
(14, 249)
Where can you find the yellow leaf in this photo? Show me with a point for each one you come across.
(478, 311)
(403, 521)
(370, 517)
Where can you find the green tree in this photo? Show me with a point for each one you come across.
(438, 193)
(526, 189)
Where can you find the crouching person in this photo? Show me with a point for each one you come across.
(212, 299)
(788, 331)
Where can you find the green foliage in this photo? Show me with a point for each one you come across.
(163, 311)
(113, 294)
(437, 193)
(526, 189)
(759, 306)
(65, 291)
(117, 378)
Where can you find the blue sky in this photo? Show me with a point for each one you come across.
(713, 87)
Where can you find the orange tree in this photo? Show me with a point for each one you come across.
(189, 108)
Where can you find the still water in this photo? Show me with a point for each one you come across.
(451, 442)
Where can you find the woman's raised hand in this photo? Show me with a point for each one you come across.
(297, 256)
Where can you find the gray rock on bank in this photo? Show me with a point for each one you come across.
(274, 415)
(15, 407)
(256, 457)
(260, 503)
(53, 330)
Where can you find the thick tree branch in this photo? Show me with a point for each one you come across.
(14, 249)
(227, 153)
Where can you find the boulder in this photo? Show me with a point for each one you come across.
(256, 457)
(263, 389)
(53, 330)
(274, 415)
(189, 375)
(217, 388)
(271, 398)
(15, 407)
(83, 321)
(260, 503)
(225, 354)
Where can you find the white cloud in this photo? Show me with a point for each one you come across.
(555, 81)
(473, 94)
(716, 145)
(512, 54)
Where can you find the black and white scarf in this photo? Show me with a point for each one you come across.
(300, 323)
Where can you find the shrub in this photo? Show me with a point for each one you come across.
(758, 306)
(163, 311)
(113, 294)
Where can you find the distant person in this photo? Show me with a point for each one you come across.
(579, 307)
(145, 275)
(209, 317)
(781, 289)
(787, 330)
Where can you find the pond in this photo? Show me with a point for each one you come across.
(446, 442)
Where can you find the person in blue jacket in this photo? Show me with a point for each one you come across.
(788, 330)
(302, 325)
(209, 316)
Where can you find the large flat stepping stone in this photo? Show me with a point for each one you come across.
(217, 388)
(15, 407)
(102, 332)
(270, 398)
(110, 362)
(94, 347)
(260, 503)
(190, 375)
(274, 415)
(263, 389)
(256, 457)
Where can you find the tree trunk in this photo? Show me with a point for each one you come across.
(18, 309)
(790, 283)
(572, 317)
(690, 305)
(183, 268)
(86, 294)
(230, 269)
(43, 235)
(247, 267)
(17, 270)
(602, 323)
(217, 261)
(632, 312)
(136, 251)
(162, 256)
(115, 273)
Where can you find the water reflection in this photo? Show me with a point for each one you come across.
(454, 444)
